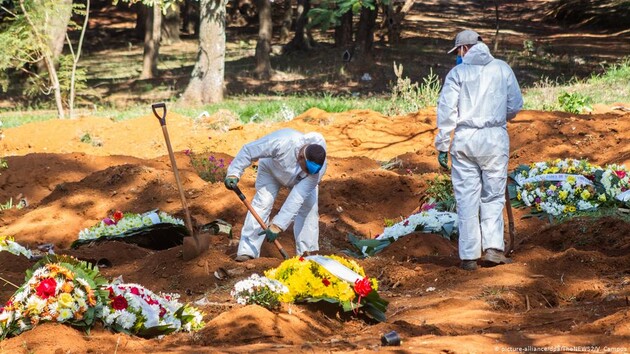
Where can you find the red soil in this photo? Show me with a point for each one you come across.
(568, 284)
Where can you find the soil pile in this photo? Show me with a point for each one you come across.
(568, 285)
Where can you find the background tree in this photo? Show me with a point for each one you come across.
(190, 16)
(301, 40)
(76, 55)
(30, 36)
(339, 14)
(171, 23)
(152, 38)
(56, 24)
(287, 21)
(206, 82)
(152, 32)
(263, 47)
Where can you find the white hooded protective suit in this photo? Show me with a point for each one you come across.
(478, 98)
(277, 167)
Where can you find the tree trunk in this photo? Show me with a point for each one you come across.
(48, 61)
(263, 47)
(365, 32)
(301, 40)
(170, 25)
(343, 32)
(191, 17)
(206, 83)
(76, 56)
(57, 26)
(496, 35)
(152, 34)
(287, 20)
(142, 12)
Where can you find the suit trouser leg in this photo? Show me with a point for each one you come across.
(266, 190)
(306, 225)
(466, 179)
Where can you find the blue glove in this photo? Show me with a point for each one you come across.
(271, 236)
(443, 159)
(230, 182)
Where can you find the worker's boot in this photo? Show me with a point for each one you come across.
(495, 257)
(469, 264)
(243, 258)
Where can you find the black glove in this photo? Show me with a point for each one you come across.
(443, 159)
(270, 233)
(230, 182)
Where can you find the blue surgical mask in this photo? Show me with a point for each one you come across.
(312, 167)
(459, 60)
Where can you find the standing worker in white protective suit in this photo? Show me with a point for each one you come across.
(287, 158)
(478, 98)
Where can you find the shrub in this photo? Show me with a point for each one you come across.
(440, 192)
(574, 102)
(208, 167)
(410, 96)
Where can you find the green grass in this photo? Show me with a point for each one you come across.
(612, 86)
(247, 108)
(283, 108)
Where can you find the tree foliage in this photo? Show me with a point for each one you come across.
(24, 47)
(165, 5)
(21, 50)
(328, 12)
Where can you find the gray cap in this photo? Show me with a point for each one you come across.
(466, 37)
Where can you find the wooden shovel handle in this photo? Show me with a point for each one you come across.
(241, 196)
(160, 117)
(508, 206)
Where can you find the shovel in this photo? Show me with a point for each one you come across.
(260, 221)
(195, 245)
(508, 206)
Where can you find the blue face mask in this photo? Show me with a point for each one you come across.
(459, 60)
(312, 167)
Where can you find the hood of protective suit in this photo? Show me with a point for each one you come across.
(480, 93)
(479, 54)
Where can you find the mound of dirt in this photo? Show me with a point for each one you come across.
(608, 235)
(253, 323)
(568, 281)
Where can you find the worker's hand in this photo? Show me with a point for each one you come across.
(443, 159)
(271, 233)
(230, 182)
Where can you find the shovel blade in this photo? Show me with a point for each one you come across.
(193, 247)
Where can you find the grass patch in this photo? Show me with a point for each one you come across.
(612, 86)
(248, 109)
(284, 108)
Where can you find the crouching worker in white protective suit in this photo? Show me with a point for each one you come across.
(287, 158)
(478, 98)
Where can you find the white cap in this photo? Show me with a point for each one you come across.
(466, 37)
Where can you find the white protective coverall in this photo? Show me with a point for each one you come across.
(478, 98)
(277, 167)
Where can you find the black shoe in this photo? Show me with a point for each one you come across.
(243, 258)
(469, 265)
(496, 257)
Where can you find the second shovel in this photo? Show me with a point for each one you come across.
(259, 219)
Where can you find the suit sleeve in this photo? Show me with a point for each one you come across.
(263, 147)
(447, 112)
(514, 97)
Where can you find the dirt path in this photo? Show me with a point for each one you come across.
(567, 287)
